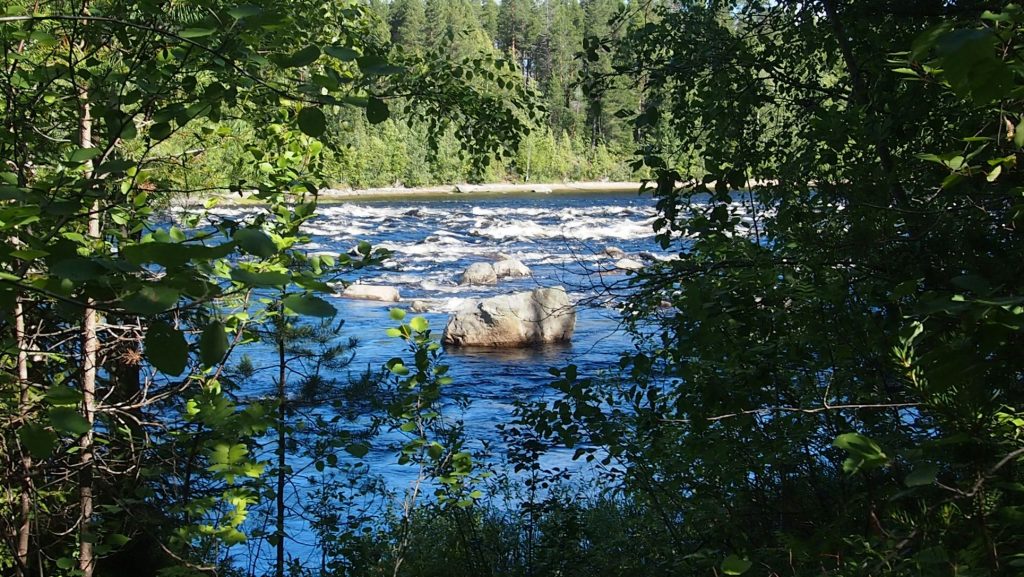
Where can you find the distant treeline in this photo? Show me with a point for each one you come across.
(583, 136)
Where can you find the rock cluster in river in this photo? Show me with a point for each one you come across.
(479, 273)
(485, 273)
(523, 319)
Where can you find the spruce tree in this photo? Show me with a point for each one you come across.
(408, 23)
(488, 16)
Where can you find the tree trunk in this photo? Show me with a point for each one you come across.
(90, 360)
(25, 506)
(281, 445)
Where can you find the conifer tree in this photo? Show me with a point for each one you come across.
(408, 23)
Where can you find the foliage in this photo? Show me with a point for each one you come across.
(835, 388)
(548, 40)
(123, 438)
(825, 381)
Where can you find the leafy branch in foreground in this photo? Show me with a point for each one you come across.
(827, 379)
(119, 321)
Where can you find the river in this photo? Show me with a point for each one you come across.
(561, 237)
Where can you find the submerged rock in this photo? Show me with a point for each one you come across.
(628, 264)
(479, 273)
(419, 306)
(511, 268)
(614, 252)
(523, 319)
(371, 292)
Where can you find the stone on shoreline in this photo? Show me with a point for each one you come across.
(523, 319)
(371, 292)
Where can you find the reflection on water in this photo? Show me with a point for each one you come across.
(542, 355)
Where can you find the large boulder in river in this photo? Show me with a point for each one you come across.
(371, 292)
(523, 319)
(479, 273)
(511, 268)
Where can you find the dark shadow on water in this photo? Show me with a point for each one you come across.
(536, 353)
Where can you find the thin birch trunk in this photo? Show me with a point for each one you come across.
(25, 506)
(90, 359)
(281, 445)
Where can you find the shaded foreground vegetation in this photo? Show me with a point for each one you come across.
(826, 381)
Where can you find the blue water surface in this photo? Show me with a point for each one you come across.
(562, 238)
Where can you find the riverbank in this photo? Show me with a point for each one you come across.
(493, 188)
(333, 195)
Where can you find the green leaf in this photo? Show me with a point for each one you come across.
(397, 314)
(864, 453)
(373, 65)
(255, 242)
(213, 344)
(151, 299)
(77, 268)
(84, 154)
(419, 324)
(343, 53)
(304, 57)
(172, 254)
(63, 395)
(973, 283)
(922, 475)
(244, 11)
(970, 63)
(377, 111)
(166, 348)
(260, 279)
(358, 450)
(312, 122)
(68, 420)
(393, 332)
(310, 306)
(224, 455)
(734, 565)
(160, 131)
(196, 32)
(29, 254)
(39, 441)
(1018, 134)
